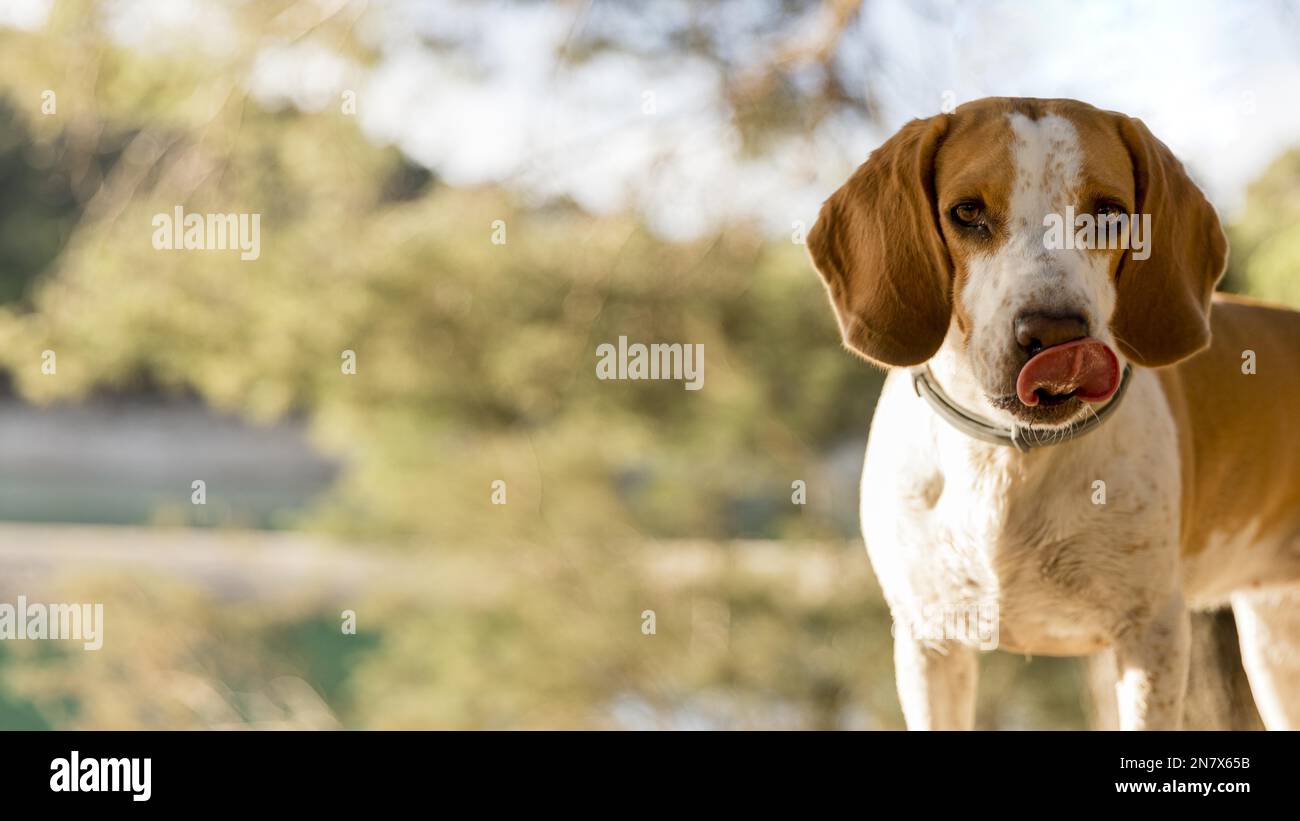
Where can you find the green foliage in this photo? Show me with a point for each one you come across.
(475, 363)
(1265, 258)
(747, 635)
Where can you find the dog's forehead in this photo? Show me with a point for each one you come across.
(995, 143)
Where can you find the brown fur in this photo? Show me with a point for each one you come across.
(891, 263)
(1238, 432)
(876, 244)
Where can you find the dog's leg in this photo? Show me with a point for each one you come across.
(1152, 660)
(1268, 625)
(936, 684)
(1218, 694)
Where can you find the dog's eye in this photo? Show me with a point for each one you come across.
(970, 214)
(1109, 209)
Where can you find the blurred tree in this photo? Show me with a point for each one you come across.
(781, 61)
(1265, 258)
(475, 360)
(475, 363)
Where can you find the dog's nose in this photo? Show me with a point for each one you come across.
(1035, 331)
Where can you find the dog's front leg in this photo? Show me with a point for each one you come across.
(1152, 661)
(936, 684)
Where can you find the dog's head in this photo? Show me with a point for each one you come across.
(1039, 242)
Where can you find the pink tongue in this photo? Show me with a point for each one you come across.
(1084, 367)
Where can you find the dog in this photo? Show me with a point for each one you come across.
(1086, 441)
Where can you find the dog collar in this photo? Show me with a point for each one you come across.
(1022, 439)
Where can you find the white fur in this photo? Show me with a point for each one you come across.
(950, 521)
(1268, 623)
(1022, 274)
(955, 526)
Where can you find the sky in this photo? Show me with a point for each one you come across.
(1218, 82)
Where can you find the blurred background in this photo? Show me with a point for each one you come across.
(651, 168)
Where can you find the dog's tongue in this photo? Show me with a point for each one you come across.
(1084, 367)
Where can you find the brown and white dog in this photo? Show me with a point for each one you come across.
(1087, 440)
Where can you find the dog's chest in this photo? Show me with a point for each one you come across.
(1061, 544)
(1046, 553)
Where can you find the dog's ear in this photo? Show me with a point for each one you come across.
(877, 245)
(1162, 313)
